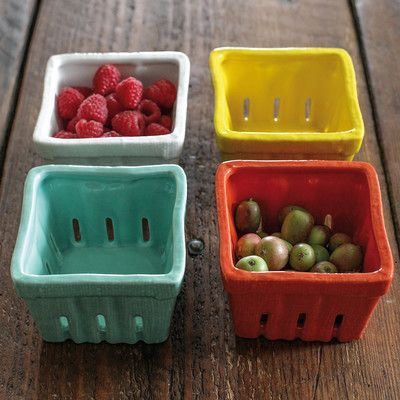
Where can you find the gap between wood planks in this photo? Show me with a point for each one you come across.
(375, 118)
(18, 83)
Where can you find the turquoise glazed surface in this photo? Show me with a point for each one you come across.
(100, 253)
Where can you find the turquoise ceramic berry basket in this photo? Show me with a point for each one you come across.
(100, 253)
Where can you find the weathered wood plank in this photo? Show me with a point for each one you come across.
(379, 35)
(202, 358)
(16, 17)
(15, 20)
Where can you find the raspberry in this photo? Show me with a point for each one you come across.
(156, 129)
(113, 106)
(89, 129)
(68, 101)
(150, 110)
(71, 125)
(84, 90)
(128, 123)
(129, 92)
(106, 79)
(162, 92)
(111, 134)
(65, 135)
(94, 108)
(166, 121)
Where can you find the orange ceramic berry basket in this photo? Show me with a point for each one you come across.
(305, 305)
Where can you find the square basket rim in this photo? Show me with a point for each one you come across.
(232, 275)
(49, 144)
(36, 175)
(222, 129)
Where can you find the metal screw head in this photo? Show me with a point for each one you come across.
(195, 247)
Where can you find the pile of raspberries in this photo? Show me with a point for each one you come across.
(116, 107)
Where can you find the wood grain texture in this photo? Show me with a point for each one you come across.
(379, 35)
(15, 20)
(202, 358)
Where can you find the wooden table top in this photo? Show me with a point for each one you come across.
(202, 359)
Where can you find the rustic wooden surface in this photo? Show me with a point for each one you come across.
(16, 19)
(379, 27)
(202, 359)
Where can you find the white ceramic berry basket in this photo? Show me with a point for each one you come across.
(77, 69)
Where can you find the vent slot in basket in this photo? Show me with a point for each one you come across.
(301, 320)
(64, 323)
(77, 230)
(263, 320)
(145, 229)
(338, 321)
(101, 323)
(277, 105)
(138, 321)
(307, 109)
(110, 229)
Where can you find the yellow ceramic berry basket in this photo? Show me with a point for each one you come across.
(294, 103)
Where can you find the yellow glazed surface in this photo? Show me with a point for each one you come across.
(278, 84)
